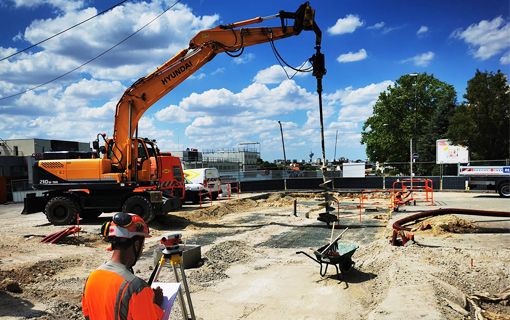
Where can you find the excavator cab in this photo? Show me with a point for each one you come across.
(145, 159)
(144, 163)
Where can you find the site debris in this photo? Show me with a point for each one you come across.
(457, 267)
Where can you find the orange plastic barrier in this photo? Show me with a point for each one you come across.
(417, 189)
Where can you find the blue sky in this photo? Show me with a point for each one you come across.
(368, 45)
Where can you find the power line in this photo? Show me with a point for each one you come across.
(59, 33)
(92, 59)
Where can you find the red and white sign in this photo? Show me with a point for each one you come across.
(484, 171)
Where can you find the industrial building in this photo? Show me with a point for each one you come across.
(27, 147)
(225, 160)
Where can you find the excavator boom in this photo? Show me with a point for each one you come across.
(202, 48)
(127, 177)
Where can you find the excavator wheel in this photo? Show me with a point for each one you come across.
(139, 205)
(61, 210)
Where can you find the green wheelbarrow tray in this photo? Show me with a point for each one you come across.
(337, 254)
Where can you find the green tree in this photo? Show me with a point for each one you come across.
(417, 107)
(482, 123)
(264, 165)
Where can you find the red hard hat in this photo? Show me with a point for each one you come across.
(125, 225)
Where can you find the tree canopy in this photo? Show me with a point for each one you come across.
(416, 107)
(482, 123)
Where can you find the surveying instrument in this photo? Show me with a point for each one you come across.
(172, 250)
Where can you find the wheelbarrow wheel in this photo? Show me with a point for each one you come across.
(346, 266)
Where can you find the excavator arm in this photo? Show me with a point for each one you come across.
(202, 48)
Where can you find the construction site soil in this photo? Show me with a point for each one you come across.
(457, 268)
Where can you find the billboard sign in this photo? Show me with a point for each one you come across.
(448, 153)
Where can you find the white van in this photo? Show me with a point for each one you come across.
(208, 177)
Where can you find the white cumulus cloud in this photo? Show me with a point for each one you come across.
(421, 60)
(422, 30)
(138, 56)
(346, 25)
(352, 56)
(275, 74)
(505, 59)
(486, 38)
(357, 103)
(378, 25)
(364, 95)
(383, 28)
(217, 117)
(243, 59)
(87, 99)
(173, 113)
(64, 5)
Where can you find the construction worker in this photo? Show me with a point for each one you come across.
(113, 291)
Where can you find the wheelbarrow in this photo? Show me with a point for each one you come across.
(334, 253)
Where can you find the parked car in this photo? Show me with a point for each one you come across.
(207, 177)
(194, 191)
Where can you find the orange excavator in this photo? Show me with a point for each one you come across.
(125, 173)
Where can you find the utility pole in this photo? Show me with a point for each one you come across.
(334, 158)
(413, 75)
(284, 159)
(336, 139)
(411, 160)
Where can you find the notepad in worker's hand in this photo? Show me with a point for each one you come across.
(170, 290)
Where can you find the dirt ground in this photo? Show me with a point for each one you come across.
(251, 270)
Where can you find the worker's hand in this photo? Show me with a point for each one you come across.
(158, 296)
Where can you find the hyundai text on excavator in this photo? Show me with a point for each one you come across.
(125, 173)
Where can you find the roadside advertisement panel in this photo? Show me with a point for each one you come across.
(448, 153)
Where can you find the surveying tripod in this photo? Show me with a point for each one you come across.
(173, 256)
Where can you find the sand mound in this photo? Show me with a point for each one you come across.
(217, 211)
(446, 224)
(220, 210)
(278, 200)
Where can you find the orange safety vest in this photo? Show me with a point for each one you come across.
(113, 292)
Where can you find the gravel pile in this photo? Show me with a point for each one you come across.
(40, 282)
(218, 259)
(38, 272)
(62, 310)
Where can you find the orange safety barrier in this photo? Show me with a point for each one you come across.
(343, 206)
(365, 202)
(417, 189)
(200, 198)
(233, 185)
